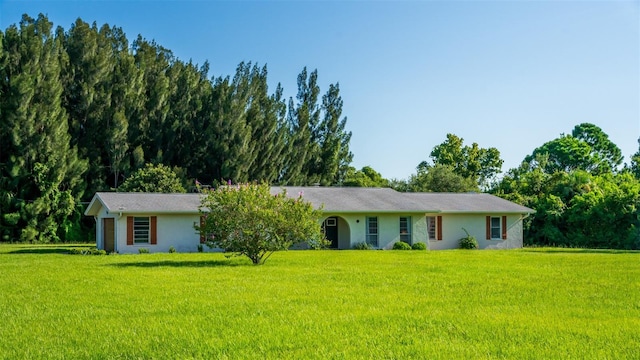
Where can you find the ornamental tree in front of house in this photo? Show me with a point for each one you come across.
(248, 220)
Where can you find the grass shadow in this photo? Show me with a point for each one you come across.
(61, 249)
(181, 264)
(579, 251)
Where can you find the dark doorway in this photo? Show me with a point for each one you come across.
(108, 238)
(331, 231)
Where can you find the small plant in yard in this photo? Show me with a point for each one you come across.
(172, 250)
(200, 248)
(468, 242)
(401, 245)
(143, 251)
(419, 246)
(362, 246)
(248, 220)
(93, 251)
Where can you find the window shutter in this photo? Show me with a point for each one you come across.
(504, 228)
(129, 230)
(154, 232)
(439, 228)
(488, 227)
(201, 229)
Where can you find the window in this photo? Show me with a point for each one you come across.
(372, 231)
(496, 228)
(405, 229)
(431, 227)
(141, 230)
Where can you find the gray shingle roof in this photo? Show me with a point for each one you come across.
(349, 199)
(144, 203)
(333, 199)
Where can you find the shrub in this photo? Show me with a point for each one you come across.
(92, 251)
(419, 246)
(362, 246)
(172, 250)
(248, 220)
(468, 242)
(143, 251)
(401, 245)
(200, 248)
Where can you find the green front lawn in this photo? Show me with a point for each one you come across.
(534, 304)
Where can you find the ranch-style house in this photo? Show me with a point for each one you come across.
(126, 222)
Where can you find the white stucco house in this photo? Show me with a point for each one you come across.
(126, 222)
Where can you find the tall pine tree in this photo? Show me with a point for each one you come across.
(42, 171)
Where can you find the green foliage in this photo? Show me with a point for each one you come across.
(401, 245)
(588, 148)
(470, 162)
(85, 251)
(468, 242)
(172, 250)
(84, 109)
(419, 246)
(365, 177)
(143, 251)
(153, 178)
(576, 209)
(440, 178)
(200, 248)
(248, 220)
(362, 246)
(635, 163)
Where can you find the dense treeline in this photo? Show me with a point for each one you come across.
(582, 193)
(82, 109)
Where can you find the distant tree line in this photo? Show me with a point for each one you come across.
(82, 109)
(582, 193)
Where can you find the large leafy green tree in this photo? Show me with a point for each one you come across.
(365, 177)
(248, 220)
(153, 178)
(575, 208)
(587, 148)
(440, 178)
(470, 162)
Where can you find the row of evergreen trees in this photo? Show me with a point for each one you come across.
(81, 109)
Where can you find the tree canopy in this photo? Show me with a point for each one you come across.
(82, 110)
(153, 178)
(247, 220)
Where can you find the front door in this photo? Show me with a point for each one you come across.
(331, 231)
(108, 234)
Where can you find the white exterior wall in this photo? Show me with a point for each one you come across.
(172, 230)
(475, 224)
(388, 229)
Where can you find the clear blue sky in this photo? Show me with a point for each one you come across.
(504, 74)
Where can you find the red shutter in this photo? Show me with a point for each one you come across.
(129, 230)
(154, 232)
(439, 228)
(504, 228)
(488, 227)
(202, 230)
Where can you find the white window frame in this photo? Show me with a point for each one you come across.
(432, 222)
(372, 237)
(498, 228)
(406, 236)
(141, 229)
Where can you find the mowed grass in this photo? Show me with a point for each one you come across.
(526, 304)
